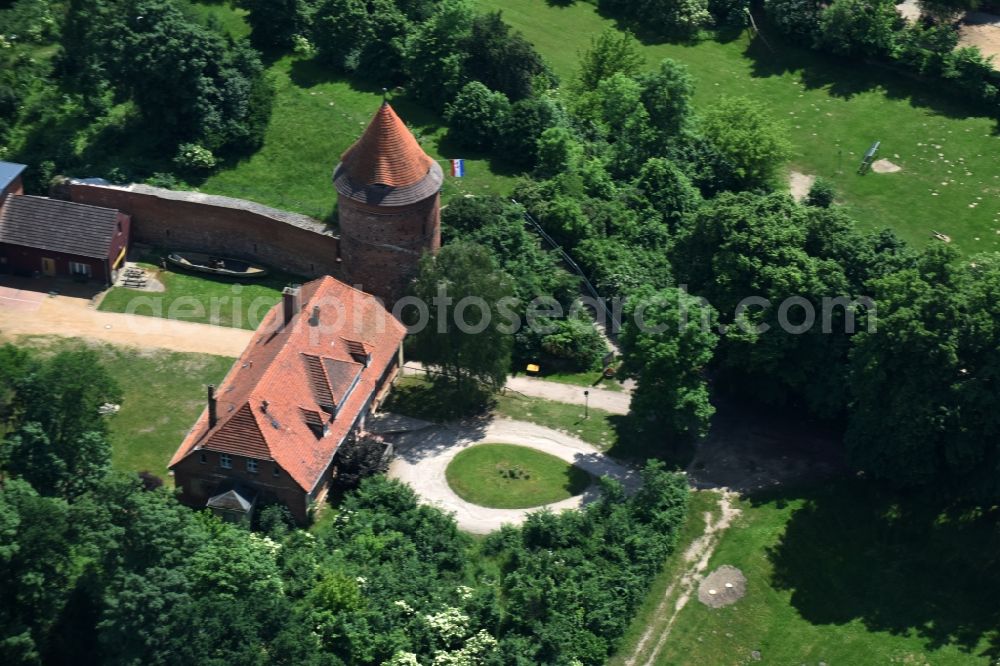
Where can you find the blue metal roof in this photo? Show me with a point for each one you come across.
(8, 172)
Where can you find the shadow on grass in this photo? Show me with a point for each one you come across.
(846, 78)
(437, 400)
(901, 564)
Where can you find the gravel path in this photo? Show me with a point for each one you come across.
(422, 457)
(615, 402)
(74, 316)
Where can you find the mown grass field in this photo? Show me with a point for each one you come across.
(833, 111)
(844, 575)
(504, 476)
(164, 392)
(317, 116)
(201, 299)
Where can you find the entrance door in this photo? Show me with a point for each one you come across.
(49, 266)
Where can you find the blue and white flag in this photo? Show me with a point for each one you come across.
(458, 168)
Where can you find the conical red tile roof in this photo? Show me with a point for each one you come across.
(386, 154)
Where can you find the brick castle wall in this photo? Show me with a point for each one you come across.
(381, 247)
(192, 221)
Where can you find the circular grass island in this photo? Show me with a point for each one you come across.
(505, 476)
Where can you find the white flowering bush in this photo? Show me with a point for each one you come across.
(193, 157)
(449, 625)
(402, 659)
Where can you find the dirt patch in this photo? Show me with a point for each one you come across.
(885, 166)
(724, 586)
(679, 592)
(800, 183)
(983, 31)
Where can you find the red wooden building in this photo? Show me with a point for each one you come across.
(42, 236)
(320, 362)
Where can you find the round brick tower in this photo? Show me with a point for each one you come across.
(389, 203)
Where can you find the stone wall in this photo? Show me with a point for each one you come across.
(192, 221)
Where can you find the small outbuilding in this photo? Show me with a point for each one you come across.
(42, 236)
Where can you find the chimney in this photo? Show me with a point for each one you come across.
(213, 417)
(290, 298)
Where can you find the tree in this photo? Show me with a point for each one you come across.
(276, 23)
(60, 442)
(666, 94)
(469, 303)
(611, 52)
(860, 28)
(523, 127)
(667, 190)
(434, 54)
(359, 458)
(922, 411)
(476, 116)
(796, 19)
(749, 142)
(188, 82)
(668, 337)
(502, 59)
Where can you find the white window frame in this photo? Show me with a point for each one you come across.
(225, 461)
(78, 268)
(252, 465)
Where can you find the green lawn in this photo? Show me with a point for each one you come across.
(317, 116)
(202, 299)
(833, 111)
(504, 476)
(844, 575)
(593, 378)
(164, 392)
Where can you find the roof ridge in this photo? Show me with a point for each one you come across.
(63, 202)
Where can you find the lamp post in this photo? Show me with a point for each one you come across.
(586, 404)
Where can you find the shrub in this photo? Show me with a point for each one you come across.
(861, 28)
(746, 139)
(821, 193)
(796, 19)
(192, 157)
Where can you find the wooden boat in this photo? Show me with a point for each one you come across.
(214, 265)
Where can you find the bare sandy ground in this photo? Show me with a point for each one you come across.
(799, 184)
(73, 315)
(885, 166)
(982, 30)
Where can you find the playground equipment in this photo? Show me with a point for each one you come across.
(866, 161)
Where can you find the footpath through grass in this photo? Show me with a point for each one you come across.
(164, 392)
(505, 476)
(833, 111)
(846, 575)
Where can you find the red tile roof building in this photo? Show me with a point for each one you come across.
(320, 362)
(389, 206)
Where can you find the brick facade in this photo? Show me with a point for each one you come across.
(191, 221)
(381, 246)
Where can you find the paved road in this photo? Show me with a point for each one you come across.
(423, 456)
